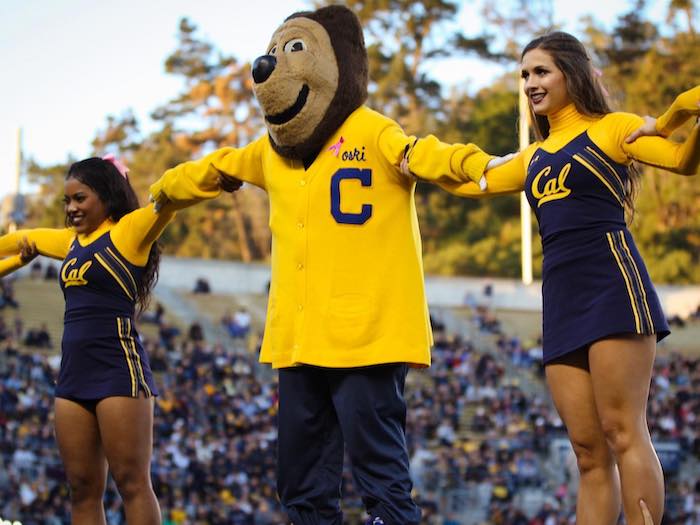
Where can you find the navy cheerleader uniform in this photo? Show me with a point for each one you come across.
(102, 354)
(594, 282)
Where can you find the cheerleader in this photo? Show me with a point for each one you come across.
(105, 388)
(601, 315)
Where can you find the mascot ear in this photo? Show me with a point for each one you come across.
(348, 42)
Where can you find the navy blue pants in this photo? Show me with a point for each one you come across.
(323, 410)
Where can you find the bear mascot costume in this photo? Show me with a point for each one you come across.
(347, 313)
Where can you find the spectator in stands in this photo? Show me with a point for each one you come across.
(26, 252)
(470, 300)
(486, 320)
(167, 333)
(487, 301)
(527, 468)
(547, 515)
(676, 320)
(695, 315)
(195, 332)
(51, 273)
(35, 271)
(104, 393)
(155, 317)
(238, 324)
(436, 324)
(242, 320)
(18, 327)
(7, 297)
(38, 337)
(233, 436)
(201, 285)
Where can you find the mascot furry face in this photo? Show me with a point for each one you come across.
(312, 77)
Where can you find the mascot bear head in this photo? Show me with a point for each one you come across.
(313, 76)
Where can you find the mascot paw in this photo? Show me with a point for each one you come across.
(229, 184)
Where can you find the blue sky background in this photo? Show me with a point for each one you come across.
(66, 65)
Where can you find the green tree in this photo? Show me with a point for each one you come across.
(45, 208)
(687, 9)
(489, 224)
(645, 65)
(217, 97)
(403, 38)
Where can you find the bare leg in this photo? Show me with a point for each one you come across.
(572, 391)
(621, 372)
(80, 447)
(126, 425)
(648, 520)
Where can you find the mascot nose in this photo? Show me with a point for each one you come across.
(263, 68)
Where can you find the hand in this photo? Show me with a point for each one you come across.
(497, 161)
(229, 184)
(158, 202)
(648, 520)
(648, 129)
(404, 167)
(27, 251)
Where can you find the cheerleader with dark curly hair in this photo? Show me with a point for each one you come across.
(105, 388)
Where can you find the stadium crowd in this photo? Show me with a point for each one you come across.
(481, 433)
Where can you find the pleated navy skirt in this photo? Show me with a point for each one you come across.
(595, 285)
(103, 358)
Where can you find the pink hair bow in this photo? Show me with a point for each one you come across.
(121, 168)
(599, 74)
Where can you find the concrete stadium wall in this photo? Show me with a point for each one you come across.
(223, 276)
(235, 277)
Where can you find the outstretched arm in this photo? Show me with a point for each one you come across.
(134, 234)
(53, 243)
(28, 252)
(685, 106)
(431, 160)
(198, 180)
(10, 264)
(683, 158)
(504, 179)
(180, 187)
(610, 133)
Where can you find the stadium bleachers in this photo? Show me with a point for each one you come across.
(486, 444)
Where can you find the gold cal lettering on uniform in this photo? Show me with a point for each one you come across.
(554, 188)
(75, 276)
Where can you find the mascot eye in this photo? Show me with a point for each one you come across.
(294, 45)
(272, 51)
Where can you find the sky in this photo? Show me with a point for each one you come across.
(66, 65)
